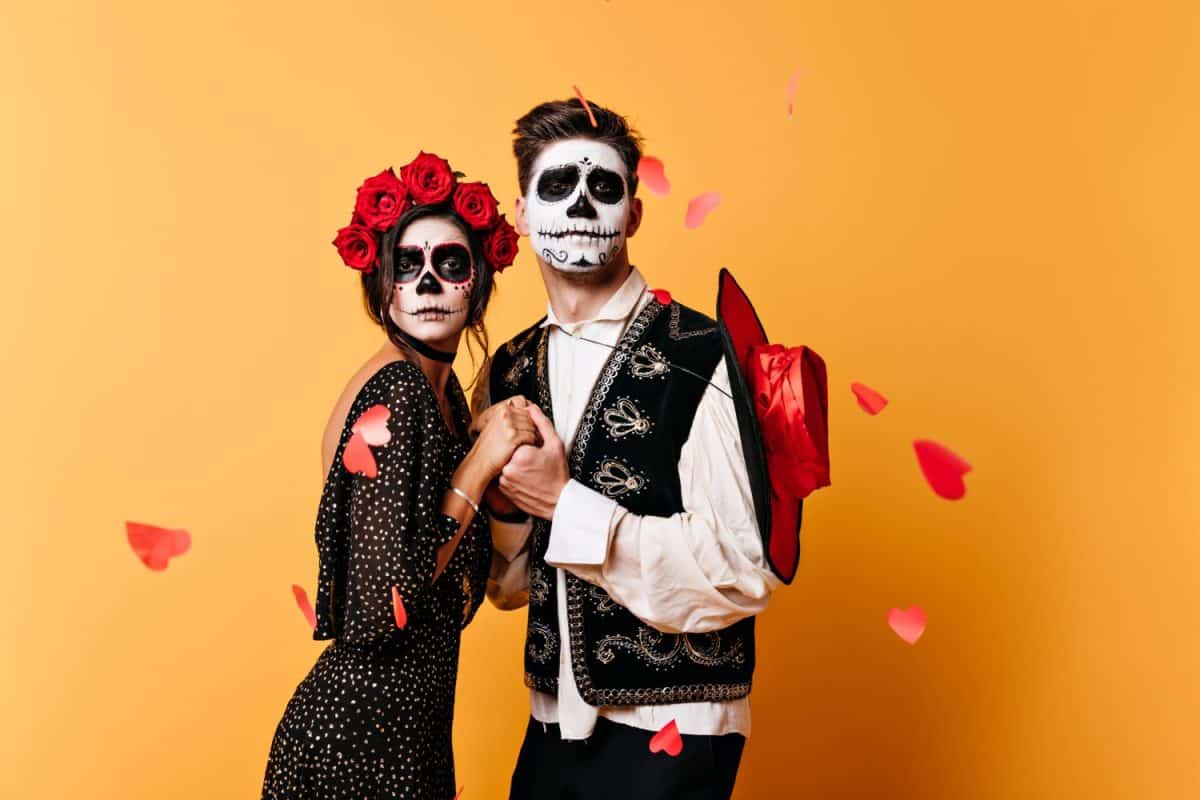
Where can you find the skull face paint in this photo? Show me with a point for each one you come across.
(577, 205)
(434, 275)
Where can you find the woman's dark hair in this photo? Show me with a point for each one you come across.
(379, 284)
(568, 119)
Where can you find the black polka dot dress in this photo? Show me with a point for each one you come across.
(372, 719)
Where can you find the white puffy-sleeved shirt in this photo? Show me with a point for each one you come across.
(696, 571)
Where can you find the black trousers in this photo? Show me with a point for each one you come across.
(617, 763)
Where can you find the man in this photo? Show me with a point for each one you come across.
(631, 530)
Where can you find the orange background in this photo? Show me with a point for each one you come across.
(987, 213)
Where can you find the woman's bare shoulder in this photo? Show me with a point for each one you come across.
(341, 409)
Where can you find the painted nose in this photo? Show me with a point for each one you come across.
(429, 284)
(582, 208)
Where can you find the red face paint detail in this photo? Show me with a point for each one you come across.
(869, 400)
(156, 546)
(699, 207)
(398, 609)
(667, 740)
(305, 607)
(943, 469)
(909, 624)
(651, 172)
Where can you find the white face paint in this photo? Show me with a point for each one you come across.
(578, 205)
(434, 277)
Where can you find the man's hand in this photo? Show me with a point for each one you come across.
(535, 476)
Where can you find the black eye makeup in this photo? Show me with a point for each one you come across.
(605, 185)
(557, 183)
(451, 262)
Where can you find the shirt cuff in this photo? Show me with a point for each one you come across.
(581, 527)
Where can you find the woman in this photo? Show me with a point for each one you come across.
(403, 553)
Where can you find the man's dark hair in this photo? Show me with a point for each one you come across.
(568, 119)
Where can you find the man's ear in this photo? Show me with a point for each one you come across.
(522, 225)
(635, 218)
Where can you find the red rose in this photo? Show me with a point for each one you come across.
(476, 204)
(500, 246)
(357, 247)
(381, 200)
(428, 178)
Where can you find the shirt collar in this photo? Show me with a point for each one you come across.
(618, 307)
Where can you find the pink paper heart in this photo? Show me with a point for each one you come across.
(358, 458)
(869, 400)
(943, 468)
(156, 546)
(372, 424)
(667, 740)
(908, 624)
(662, 296)
(699, 208)
(651, 172)
(305, 607)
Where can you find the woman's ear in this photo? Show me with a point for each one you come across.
(522, 222)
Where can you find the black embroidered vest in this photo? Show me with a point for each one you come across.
(627, 447)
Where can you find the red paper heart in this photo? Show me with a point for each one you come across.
(398, 609)
(305, 607)
(869, 400)
(358, 458)
(586, 107)
(372, 424)
(699, 207)
(791, 90)
(662, 296)
(909, 624)
(943, 468)
(651, 172)
(156, 546)
(667, 740)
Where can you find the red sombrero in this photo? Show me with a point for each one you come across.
(782, 404)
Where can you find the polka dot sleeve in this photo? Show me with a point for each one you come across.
(396, 525)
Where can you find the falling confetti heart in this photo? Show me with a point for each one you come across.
(791, 90)
(156, 546)
(305, 607)
(943, 468)
(667, 740)
(909, 624)
(651, 172)
(398, 608)
(358, 458)
(461, 789)
(700, 207)
(662, 296)
(372, 424)
(869, 400)
(586, 107)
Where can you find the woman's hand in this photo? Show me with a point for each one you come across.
(505, 427)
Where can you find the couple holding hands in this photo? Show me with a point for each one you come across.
(613, 480)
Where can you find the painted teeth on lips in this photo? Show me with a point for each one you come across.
(434, 310)
(576, 232)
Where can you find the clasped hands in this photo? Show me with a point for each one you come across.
(534, 473)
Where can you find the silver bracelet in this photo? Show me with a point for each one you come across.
(470, 502)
